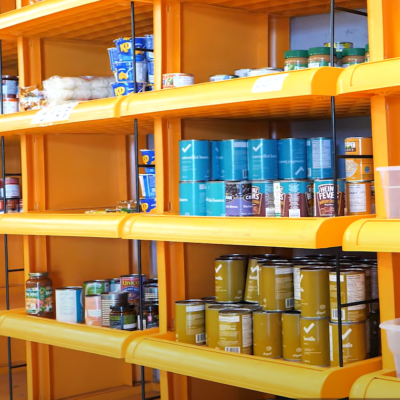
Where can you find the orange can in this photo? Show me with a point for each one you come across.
(360, 197)
(358, 146)
(359, 169)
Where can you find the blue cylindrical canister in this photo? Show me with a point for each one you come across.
(192, 198)
(194, 160)
(215, 199)
(215, 149)
(234, 160)
(149, 45)
(263, 198)
(292, 159)
(319, 158)
(69, 304)
(263, 159)
(238, 199)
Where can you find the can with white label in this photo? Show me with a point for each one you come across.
(190, 322)
(319, 158)
(360, 197)
(69, 304)
(12, 188)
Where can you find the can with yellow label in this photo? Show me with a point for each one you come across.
(360, 197)
(252, 284)
(315, 341)
(190, 322)
(267, 334)
(230, 279)
(358, 146)
(291, 338)
(212, 323)
(359, 169)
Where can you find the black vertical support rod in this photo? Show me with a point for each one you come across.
(136, 141)
(335, 186)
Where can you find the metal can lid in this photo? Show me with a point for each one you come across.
(235, 311)
(97, 280)
(38, 274)
(70, 288)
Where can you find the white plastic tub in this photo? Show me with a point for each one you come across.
(393, 335)
(391, 186)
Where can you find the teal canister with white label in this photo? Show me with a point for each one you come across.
(215, 199)
(263, 159)
(194, 160)
(192, 198)
(319, 158)
(234, 160)
(215, 153)
(292, 159)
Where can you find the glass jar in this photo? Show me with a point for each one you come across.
(320, 57)
(367, 53)
(353, 56)
(150, 316)
(296, 59)
(39, 295)
(123, 318)
(339, 59)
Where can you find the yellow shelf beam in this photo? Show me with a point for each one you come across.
(278, 377)
(102, 341)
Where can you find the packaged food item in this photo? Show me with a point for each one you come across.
(296, 59)
(150, 316)
(315, 341)
(194, 160)
(215, 154)
(340, 46)
(319, 57)
(123, 318)
(234, 165)
(263, 159)
(359, 146)
(93, 310)
(267, 334)
(190, 322)
(111, 299)
(148, 185)
(353, 56)
(192, 198)
(264, 71)
(125, 50)
(360, 197)
(324, 199)
(10, 87)
(262, 194)
(174, 80)
(292, 159)
(319, 158)
(130, 284)
(218, 78)
(291, 335)
(367, 53)
(69, 304)
(243, 73)
(39, 295)
(12, 188)
(32, 98)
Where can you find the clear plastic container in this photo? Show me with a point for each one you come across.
(391, 185)
(392, 329)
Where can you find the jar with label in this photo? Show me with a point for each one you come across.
(367, 53)
(339, 59)
(39, 295)
(123, 318)
(296, 59)
(353, 56)
(150, 316)
(320, 57)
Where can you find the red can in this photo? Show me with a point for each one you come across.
(130, 284)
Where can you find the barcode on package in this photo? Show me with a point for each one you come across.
(201, 338)
(233, 349)
(289, 303)
(335, 314)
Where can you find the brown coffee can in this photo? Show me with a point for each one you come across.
(267, 334)
(236, 331)
(352, 288)
(314, 289)
(190, 322)
(315, 341)
(252, 285)
(230, 279)
(212, 323)
(276, 287)
(354, 339)
(360, 197)
(291, 338)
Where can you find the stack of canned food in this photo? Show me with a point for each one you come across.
(122, 65)
(266, 178)
(280, 308)
(112, 303)
(13, 196)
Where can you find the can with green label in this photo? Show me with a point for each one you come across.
(96, 287)
(190, 322)
(194, 160)
(234, 160)
(230, 279)
(267, 334)
(262, 193)
(192, 198)
(291, 338)
(212, 323)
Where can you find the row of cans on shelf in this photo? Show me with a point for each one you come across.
(283, 198)
(265, 159)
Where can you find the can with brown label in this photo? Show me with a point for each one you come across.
(352, 289)
(252, 284)
(212, 323)
(230, 279)
(276, 287)
(267, 334)
(354, 339)
(236, 331)
(315, 341)
(359, 169)
(291, 338)
(190, 322)
(358, 146)
(324, 205)
(360, 197)
(314, 288)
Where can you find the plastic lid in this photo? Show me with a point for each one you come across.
(319, 50)
(366, 47)
(356, 51)
(296, 54)
(38, 274)
(392, 325)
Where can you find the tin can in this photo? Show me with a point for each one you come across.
(175, 80)
(115, 285)
(10, 87)
(130, 284)
(315, 300)
(236, 331)
(264, 71)
(324, 197)
(109, 300)
(234, 160)
(315, 341)
(10, 106)
(149, 45)
(262, 194)
(96, 287)
(247, 306)
(359, 169)
(151, 291)
(352, 288)
(296, 283)
(218, 78)
(263, 159)
(354, 339)
(251, 293)
(238, 197)
(360, 197)
(12, 188)
(358, 146)
(190, 322)
(215, 152)
(215, 199)
(374, 333)
(212, 323)
(243, 73)
(292, 159)
(69, 304)
(21, 205)
(192, 198)
(368, 279)
(291, 338)
(293, 198)
(93, 310)
(319, 158)
(12, 206)
(194, 160)
(339, 46)
(267, 334)
(276, 287)
(230, 279)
